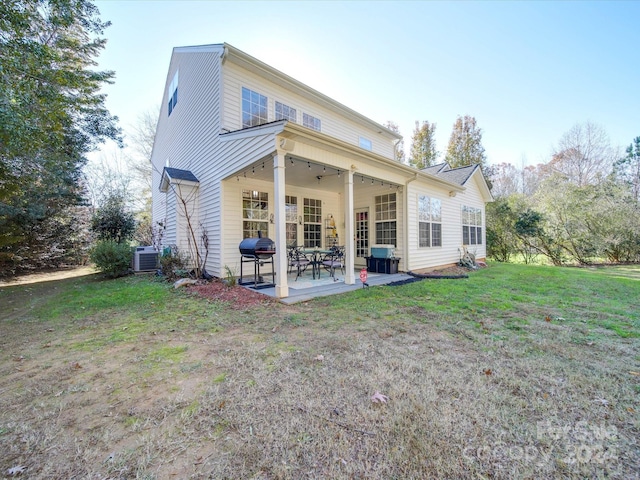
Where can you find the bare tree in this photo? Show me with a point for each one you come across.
(505, 180)
(140, 139)
(584, 155)
(107, 177)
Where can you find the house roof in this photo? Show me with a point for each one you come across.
(176, 175)
(459, 175)
(435, 169)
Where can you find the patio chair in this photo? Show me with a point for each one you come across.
(334, 260)
(297, 260)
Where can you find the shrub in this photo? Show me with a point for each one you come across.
(113, 222)
(112, 258)
(173, 264)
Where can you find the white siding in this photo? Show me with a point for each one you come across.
(188, 138)
(332, 124)
(449, 252)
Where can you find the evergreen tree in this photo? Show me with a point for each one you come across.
(627, 169)
(423, 145)
(51, 115)
(465, 144)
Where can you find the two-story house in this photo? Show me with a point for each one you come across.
(242, 148)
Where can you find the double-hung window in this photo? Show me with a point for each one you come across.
(255, 213)
(429, 222)
(285, 112)
(471, 226)
(254, 108)
(312, 223)
(386, 226)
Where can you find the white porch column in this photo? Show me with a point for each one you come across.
(349, 243)
(282, 287)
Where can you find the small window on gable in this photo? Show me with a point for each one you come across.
(311, 122)
(365, 143)
(285, 112)
(172, 93)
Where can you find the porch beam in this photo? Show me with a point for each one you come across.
(349, 235)
(282, 286)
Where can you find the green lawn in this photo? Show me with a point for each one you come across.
(516, 372)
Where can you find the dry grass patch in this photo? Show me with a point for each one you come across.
(285, 392)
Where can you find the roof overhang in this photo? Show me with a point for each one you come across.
(482, 184)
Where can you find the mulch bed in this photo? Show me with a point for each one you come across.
(240, 297)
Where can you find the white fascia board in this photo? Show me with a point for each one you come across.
(212, 48)
(482, 182)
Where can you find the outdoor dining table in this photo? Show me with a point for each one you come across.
(315, 255)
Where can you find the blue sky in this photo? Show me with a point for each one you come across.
(527, 71)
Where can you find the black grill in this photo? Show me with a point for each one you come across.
(259, 251)
(257, 247)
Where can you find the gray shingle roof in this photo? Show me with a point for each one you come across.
(435, 169)
(177, 174)
(458, 175)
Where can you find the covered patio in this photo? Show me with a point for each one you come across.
(291, 164)
(306, 288)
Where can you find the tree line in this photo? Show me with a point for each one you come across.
(581, 207)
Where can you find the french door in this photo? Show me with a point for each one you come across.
(362, 235)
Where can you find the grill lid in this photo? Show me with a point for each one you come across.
(261, 247)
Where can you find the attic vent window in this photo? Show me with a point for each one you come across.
(254, 108)
(172, 93)
(365, 143)
(311, 122)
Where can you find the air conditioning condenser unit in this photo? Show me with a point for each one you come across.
(145, 259)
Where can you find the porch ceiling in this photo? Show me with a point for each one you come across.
(307, 174)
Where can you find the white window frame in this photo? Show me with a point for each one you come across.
(312, 225)
(386, 225)
(311, 122)
(365, 143)
(429, 222)
(255, 213)
(471, 219)
(255, 106)
(291, 217)
(285, 112)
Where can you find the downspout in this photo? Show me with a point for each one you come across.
(395, 149)
(406, 220)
